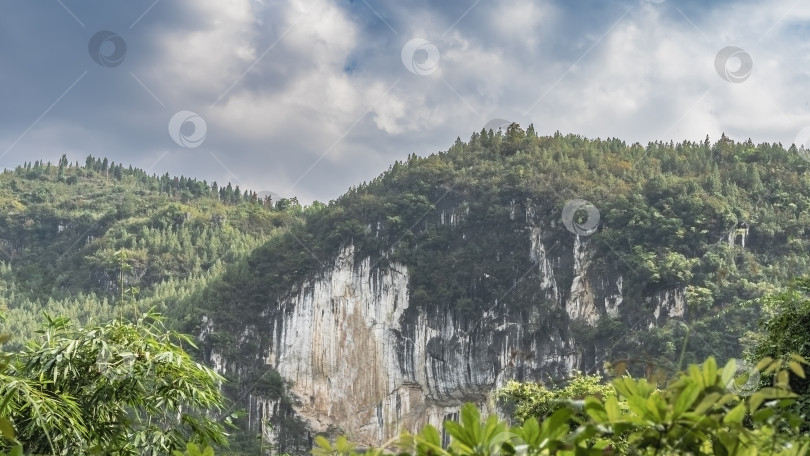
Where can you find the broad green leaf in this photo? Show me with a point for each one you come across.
(735, 415)
(625, 386)
(557, 424)
(343, 446)
(655, 408)
(756, 399)
(530, 432)
(686, 398)
(707, 403)
(709, 372)
(6, 429)
(764, 363)
(773, 367)
(429, 441)
(614, 413)
(431, 435)
(322, 446)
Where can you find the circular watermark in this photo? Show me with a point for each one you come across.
(802, 143)
(740, 377)
(188, 129)
(497, 124)
(572, 217)
(733, 64)
(115, 366)
(107, 48)
(274, 197)
(420, 56)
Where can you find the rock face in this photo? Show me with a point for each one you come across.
(339, 345)
(362, 361)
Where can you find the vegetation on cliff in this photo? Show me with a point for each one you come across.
(726, 222)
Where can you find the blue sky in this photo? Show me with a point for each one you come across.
(310, 97)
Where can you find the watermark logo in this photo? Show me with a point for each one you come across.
(574, 212)
(107, 48)
(497, 124)
(188, 129)
(265, 193)
(733, 64)
(420, 56)
(740, 377)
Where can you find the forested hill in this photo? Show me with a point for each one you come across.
(479, 229)
(666, 213)
(99, 239)
(693, 231)
(725, 221)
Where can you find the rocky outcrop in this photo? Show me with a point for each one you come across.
(362, 361)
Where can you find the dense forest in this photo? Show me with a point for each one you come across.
(726, 221)
(90, 240)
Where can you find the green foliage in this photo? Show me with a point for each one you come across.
(7, 432)
(529, 399)
(194, 450)
(460, 222)
(697, 412)
(78, 243)
(784, 336)
(119, 388)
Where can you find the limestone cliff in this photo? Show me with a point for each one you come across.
(363, 360)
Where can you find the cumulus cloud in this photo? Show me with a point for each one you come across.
(312, 97)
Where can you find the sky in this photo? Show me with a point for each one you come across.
(307, 98)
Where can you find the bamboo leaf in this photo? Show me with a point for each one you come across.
(797, 368)
(735, 415)
(6, 429)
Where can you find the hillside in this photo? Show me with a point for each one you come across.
(100, 240)
(452, 273)
(429, 286)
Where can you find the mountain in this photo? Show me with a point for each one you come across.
(510, 255)
(101, 241)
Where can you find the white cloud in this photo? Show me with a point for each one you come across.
(653, 78)
(209, 57)
(302, 76)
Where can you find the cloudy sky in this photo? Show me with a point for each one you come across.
(309, 97)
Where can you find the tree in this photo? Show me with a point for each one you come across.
(118, 388)
(529, 399)
(785, 333)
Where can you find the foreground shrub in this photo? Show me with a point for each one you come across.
(703, 411)
(116, 389)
